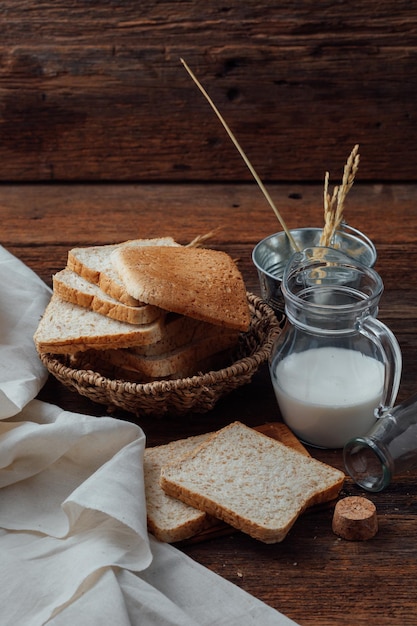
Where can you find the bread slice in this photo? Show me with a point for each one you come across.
(169, 519)
(93, 263)
(95, 360)
(281, 432)
(256, 484)
(72, 287)
(197, 282)
(180, 330)
(182, 359)
(67, 328)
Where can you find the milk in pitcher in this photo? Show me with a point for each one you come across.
(328, 395)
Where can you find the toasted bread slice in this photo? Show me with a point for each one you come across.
(256, 484)
(72, 287)
(93, 263)
(67, 328)
(197, 282)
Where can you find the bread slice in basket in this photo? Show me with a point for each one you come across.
(95, 265)
(72, 287)
(255, 484)
(180, 331)
(182, 359)
(67, 328)
(199, 282)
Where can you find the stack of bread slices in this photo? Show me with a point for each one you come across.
(145, 310)
(236, 477)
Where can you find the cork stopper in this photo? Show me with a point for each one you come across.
(355, 519)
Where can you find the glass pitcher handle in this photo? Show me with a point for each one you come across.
(385, 340)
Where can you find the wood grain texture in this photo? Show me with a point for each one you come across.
(314, 577)
(96, 91)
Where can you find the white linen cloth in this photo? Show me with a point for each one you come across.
(74, 547)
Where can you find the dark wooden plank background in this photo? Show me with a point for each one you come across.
(95, 91)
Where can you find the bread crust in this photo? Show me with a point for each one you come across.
(73, 288)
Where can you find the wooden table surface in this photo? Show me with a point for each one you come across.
(312, 576)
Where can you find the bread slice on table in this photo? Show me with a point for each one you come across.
(198, 282)
(93, 263)
(67, 328)
(72, 287)
(171, 520)
(256, 484)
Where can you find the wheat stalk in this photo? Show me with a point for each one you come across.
(334, 205)
(244, 157)
(200, 239)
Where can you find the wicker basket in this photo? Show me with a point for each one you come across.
(180, 396)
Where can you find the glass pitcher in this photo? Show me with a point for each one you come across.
(335, 367)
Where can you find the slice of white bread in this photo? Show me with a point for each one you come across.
(93, 263)
(171, 520)
(72, 287)
(248, 480)
(67, 328)
(198, 282)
